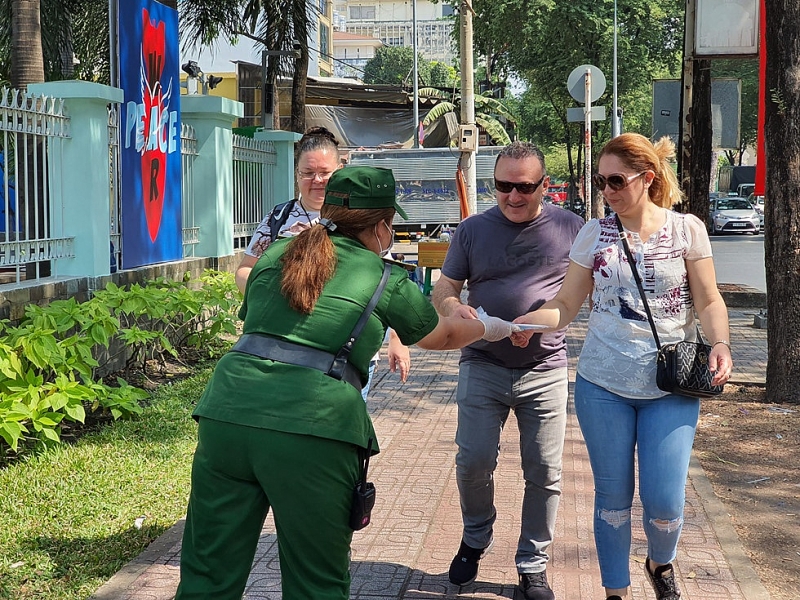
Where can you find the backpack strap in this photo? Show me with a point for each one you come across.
(278, 217)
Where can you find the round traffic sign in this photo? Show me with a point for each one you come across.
(577, 87)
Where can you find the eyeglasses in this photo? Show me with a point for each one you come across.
(311, 175)
(523, 188)
(617, 181)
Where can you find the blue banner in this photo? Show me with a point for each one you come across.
(150, 126)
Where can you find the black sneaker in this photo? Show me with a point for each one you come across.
(464, 568)
(534, 586)
(663, 581)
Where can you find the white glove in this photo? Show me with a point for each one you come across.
(496, 328)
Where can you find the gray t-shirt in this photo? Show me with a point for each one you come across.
(511, 269)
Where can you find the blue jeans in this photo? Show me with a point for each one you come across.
(661, 431)
(365, 389)
(486, 394)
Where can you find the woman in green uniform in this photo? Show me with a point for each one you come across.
(277, 433)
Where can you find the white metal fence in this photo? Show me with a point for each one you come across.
(253, 162)
(113, 187)
(30, 235)
(37, 194)
(191, 232)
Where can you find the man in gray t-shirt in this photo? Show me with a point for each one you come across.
(513, 257)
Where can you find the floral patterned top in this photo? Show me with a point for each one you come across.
(299, 220)
(619, 353)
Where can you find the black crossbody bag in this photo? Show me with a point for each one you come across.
(682, 367)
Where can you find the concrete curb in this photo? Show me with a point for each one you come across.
(120, 583)
(743, 296)
(740, 563)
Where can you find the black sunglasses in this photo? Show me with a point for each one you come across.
(522, 188)
(616, 182)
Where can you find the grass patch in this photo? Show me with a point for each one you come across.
(67, 515)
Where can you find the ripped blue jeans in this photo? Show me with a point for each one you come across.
(661, 432)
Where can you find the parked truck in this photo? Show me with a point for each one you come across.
(426, 183)
(731, 178)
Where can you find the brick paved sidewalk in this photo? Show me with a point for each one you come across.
(416, 528)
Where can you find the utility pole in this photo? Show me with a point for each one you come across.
(685, 128)
(467, 160)
(416, 71)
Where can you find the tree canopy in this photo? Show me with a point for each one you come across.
(394, 65)
(543, 41)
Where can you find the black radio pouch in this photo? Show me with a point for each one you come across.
(363, 494)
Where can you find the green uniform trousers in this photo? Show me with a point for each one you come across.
(238, 474)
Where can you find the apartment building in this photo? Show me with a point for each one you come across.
(391, 22)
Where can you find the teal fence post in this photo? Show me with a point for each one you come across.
(212, 119)
(80, 182)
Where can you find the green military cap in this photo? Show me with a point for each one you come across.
(363, 187)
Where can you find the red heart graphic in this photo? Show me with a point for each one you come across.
(154, 155)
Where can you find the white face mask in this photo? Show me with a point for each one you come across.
(383, 253)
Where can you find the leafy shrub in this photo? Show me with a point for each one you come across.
(49, 362)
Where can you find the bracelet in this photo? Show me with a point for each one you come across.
(722, 342)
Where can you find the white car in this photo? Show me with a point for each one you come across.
(734, 214)
(758, 204)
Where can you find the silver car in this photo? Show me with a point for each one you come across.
(734, 214)
(758, 204)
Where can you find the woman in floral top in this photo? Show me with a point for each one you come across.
(620, 408)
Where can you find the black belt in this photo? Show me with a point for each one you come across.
(295, 354)
(336, 365)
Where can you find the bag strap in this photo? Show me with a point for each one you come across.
(340, 361)
(364, 460)
(278, 217)
(623, 239)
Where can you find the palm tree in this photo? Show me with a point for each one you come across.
(27, 60)
(276, 24)
(488, 112)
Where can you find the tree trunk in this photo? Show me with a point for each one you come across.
(782, 206)
(27, 60)
(701, 149)
(27, 66)
(299, 92)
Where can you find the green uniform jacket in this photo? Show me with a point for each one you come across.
(256, 392)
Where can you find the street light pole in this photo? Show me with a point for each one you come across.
(614, 106)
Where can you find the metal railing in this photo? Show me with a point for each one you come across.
(30, 237)
(191, 232)
(253, 164)
(114, 194)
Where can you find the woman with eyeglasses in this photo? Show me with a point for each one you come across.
(317, 157)
(621, 410)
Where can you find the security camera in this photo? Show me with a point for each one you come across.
(191, 68)
(213, 81)
(297, 48)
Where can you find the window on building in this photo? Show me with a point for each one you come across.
(324, 41)
(447, 10)
(362, 13)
